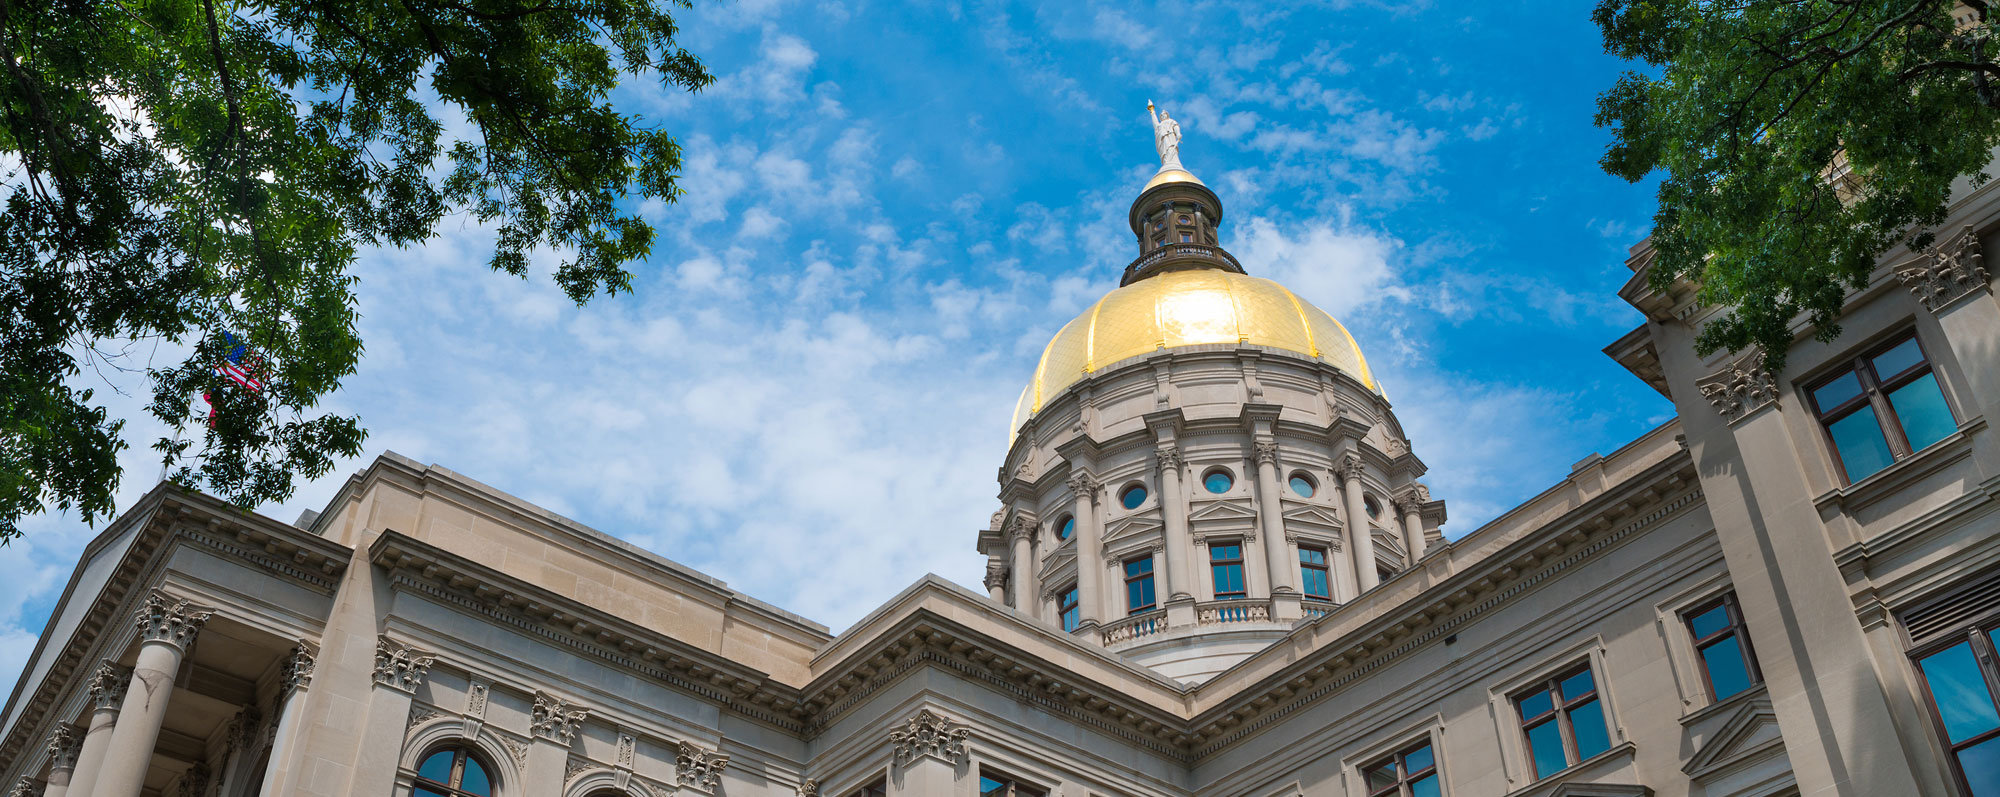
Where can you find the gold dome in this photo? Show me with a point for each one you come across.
(1172, 175)
(1187, 308)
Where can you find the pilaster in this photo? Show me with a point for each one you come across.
(929, 756)
(399, 671)
(553, 724)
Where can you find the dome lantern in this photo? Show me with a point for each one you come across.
(1176, 218)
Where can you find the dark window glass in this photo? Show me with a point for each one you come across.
(1961, 682)
(1002, 786)
(1546, 744)
(1314, 575)
(1303, 486)
(1132, 497)
(1187, 237)
(879, 788)
(1066, 606)
(1882, 406)
(1964, 701)
(1593, 736)
(1139, 584)
(1563, 721)
(1373, 506)
(1981, 764)
(1728, 665)
(1218, 481)
(452, 772)
(437, 767)
(1226, 565)
(1409, 773)
(1066, 528)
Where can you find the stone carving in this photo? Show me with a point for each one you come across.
(1951, 271)
(516, 749)
(699, 768)
(574, 767)
(1267, 453)
(25, 788)
(107, 686)
(475, 700)
(1082, 485)
(1740, 388)
(1398, 447)
(810, 788)
(400, 666)
(929, 734)
(1169, 457)
(1166, 137)
(1350, 467)
(994, 523)
(246, 727)
(996, 573)
(298, 672)
(170, 620)
(194, 781)
(1423, 492)
(555, 719)
(63, 748)
(627, 745)
(422, 714)
(1023, 526)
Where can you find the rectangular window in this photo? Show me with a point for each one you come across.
(1187, 237)
(1563, 721)
(1882, 406)
(879, 788)
(1314, 576)
(1066, 608)
(1728, 666)
(1139, 584)
(992, 785)
(1960, 681)
(1225, 563)
(1410, 773)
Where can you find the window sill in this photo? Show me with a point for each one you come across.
(1887, 481)
(1584, 772)
(1724, 705)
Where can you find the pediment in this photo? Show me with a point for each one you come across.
(1057, 559)
(1750, 732)
(1129, 527)
(1310, 515)
(1223, 510)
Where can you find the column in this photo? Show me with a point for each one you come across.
(1021, 535)
(1271, 521)
(107, 693)
(1361, 547)
(996, 579)
(1173, 511)
(928, 751)
(294, 681)
(1413, 524)
(62, 760)
(1089, 554)
(554, 723)
(399, 670)
(167, 626)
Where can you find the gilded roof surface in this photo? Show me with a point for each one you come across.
(1187, 308)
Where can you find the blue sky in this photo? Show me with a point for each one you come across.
(889, 211)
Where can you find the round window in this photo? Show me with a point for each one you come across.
(1218, 481)
(1373, 506)
(1302, 485)
(1065, 528)
(1184, 219)
(1133, 496)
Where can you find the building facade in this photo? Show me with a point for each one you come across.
(1215, 571)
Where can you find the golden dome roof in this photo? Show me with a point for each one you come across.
(1187, 308)
(1172, 175)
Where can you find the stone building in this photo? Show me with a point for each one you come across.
(1215, 571)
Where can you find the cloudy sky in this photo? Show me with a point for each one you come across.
(891, 208)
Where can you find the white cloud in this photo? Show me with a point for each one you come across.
(1336, 267)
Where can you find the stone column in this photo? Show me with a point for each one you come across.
(1360, 545)
(996, 579)
(1413, 524)
(62, 760)
(167, 627)
(1271, 520)
(1021, 534)
(107, 693)
(1173, 511)
(928, 752)
(399, 670)
(553, 723)
(294, 681)
(1089, 555)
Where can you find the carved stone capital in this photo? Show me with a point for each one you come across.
(996, 573)
(1952, 270)
(107, 685)
(1169, 457)
(698, 768)
(929, 734)
(27, 787)
(63, 746)
(1350, 467)
(1267, 453)
(810, 788)
(400, 666)
(1083, 485)
(1022, 526)
(556, 719)
(1740, 388)
(298, 673)
(170, 620)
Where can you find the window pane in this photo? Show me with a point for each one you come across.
(1981, 763)
(1726, 671)
(1220, 553)
(475, 781)
(1302, 487)
(1545, 745)
(423, 792)
(437, 767)
(1842, 388)
(1710, 621)
(1139, 566)
(1920, 406)
(1897, 360)
(1959, 690)
(1536, 705)
(1217, 482)
(989, 786)
(1428, 787)
(1862, 447)
(1070, 619)
(1068, 528)
(1417, 760)
(1380, 776)
(1576, 685)
(1133, 497)
(1587, 722)
(1312, 556)
(1228, 579)
(1315, 583)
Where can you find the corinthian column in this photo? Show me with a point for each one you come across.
(166, 628)
(107, 693)
(1021, 533)
(399, 671)
(1359, 540)
(1173, 510)
(1271, 520)
(554, 724)
(62, 760)
(1089, 554)
(292, 686)
(1413, 523)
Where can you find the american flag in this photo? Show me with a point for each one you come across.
(240, 365)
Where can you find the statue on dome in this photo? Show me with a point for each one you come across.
(1166, 138)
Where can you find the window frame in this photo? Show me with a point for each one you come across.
(877, 788)
(461, 753)
(1875, 392)
(1069, 609)
(1130, 577)
(1065, 523)
(1979, 633)
(1014, 786)
(1736, 628)
(1242, 577)
(1325, 567)
(1404, 777)
(1561, 706)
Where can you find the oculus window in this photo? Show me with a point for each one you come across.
(1139, 585)
(1133, 496)
(1727, 664)
(1563, 721)
(1066, 528)
(452, 772)
(1409, 773)
(1218, 481)
(1880, 407)
(1303, 486)
(1225, 564)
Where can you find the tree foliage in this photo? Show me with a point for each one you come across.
(175, 170)
(1799, 139)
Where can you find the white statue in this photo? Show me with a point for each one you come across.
(1166, 138)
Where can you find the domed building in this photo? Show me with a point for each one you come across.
(1215, 570)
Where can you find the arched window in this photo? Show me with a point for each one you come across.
(453, 772)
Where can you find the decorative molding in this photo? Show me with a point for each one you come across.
(1950, 271)
(1083, 485)
(517, 749)
(420, 714)
(171, 620)
(63, 746)
(298, 672)
(475, 700)
(576, 766)
(107, 685)
(556, 719)
(1740, 388)
(810, 788)
(628, 746)
(1267, 452)
(701, 769)
(1350, 467)
(996, 573)
(1169, 457)
(1022, 526)
(26, 788)
(400, 666)
(929, 734)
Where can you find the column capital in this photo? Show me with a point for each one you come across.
(298, 672)
(28, 787)
(1083, 485)
(175, 621)
(1169, 456)
(1350, 467)
(63, 747)
(556, 719)
(1742, 387)
(929, 734)
(996, 573)
(400, 666)
(107, 685)
(1267, 452)
(698, 768)
(810, 788)
(1022, 527)
(1952, 270)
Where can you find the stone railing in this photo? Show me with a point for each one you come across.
(1236, 610)
(1204, 253)
(1318, 608)
(1134, 627)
